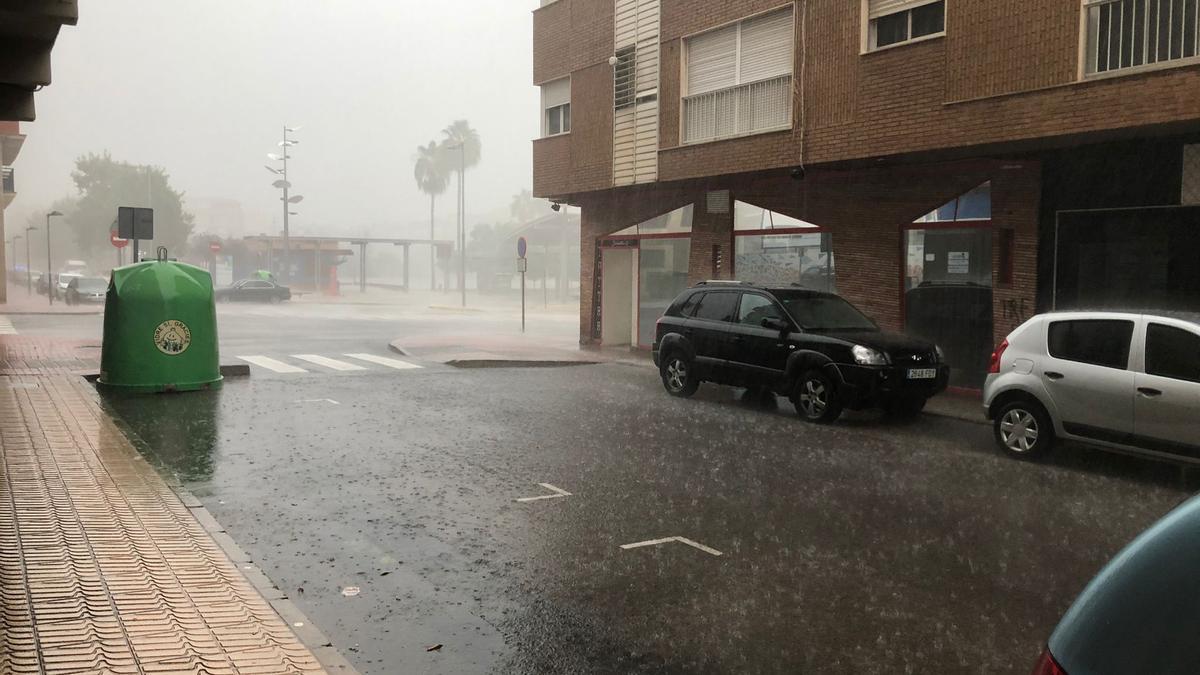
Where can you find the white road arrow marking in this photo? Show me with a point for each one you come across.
(559, 492)
(666, 540)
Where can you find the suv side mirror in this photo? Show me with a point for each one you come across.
(775, 324)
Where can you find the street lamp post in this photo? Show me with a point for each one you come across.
(462, 222)
(13, 241)
(28, 265)
(49, 274)
(286, 144)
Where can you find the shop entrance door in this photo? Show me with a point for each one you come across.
(948, 296)
(617, 295)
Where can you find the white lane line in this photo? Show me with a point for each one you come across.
(6, 327)
(559, 492)
(666, 540)
(327, 362)
(318, 400)
(272, 364)
(384, 361)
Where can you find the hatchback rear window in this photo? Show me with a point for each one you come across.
(1097, 342)
(1172, 352)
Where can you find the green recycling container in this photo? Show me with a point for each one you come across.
(160, 329)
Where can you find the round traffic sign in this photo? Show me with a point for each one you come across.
(522, 247)
(214, 246)
(117, 241)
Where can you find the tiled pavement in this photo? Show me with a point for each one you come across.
(103, 569)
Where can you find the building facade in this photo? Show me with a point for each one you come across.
(950, 166)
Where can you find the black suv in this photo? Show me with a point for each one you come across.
(813, 347)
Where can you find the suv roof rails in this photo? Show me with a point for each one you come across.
(724, 282)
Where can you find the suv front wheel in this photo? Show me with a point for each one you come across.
(815, 398)
(679, 376)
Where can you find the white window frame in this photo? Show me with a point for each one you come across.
(1085, 50)
(684, 93)
(546, 108)
(868, 26)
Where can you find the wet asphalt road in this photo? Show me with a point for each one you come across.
(867, 547)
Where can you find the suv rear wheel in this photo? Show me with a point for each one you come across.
(815, 398)
(1023, 429)
(678, 376)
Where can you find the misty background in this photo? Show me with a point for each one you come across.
(202, 90)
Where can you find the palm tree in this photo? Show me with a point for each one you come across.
(462, 143)
(432, 179)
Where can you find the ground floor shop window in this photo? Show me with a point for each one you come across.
(642, 268)
(948, 283)
(1128, 259)
(662, 276)
(771, 248)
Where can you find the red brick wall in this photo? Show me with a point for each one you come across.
(1020, 56)
(865, 211)
(581, 160)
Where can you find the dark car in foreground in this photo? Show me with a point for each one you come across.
(1139, 615)
(86, 290)
(811, 346)
(254, 290)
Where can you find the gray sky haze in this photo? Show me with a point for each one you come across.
(203, 89)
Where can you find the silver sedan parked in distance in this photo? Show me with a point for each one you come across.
(1124, 381)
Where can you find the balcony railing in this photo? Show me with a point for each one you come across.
(765, 105)
(6, 178)
(1124, 34)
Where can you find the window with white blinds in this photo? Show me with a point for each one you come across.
(893, 22)
(556, 107)
(635, 91)
(739, 78)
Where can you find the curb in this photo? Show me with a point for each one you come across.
(395, 346)
(299, 623)
(515, 363)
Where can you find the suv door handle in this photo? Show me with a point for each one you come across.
(1149, 392)
(1053, 375)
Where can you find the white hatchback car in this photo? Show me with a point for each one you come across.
(1122, 381)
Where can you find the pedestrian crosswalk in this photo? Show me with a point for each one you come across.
(6, 327)
(324, 363)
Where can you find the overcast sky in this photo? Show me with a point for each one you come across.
(203, 89)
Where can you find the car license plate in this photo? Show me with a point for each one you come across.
(922, 373)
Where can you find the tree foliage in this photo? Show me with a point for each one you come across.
(105, 184)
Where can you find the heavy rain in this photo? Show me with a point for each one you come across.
(599, 336)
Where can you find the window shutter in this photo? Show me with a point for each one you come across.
(712, 61)
(556, 93)
(878, 8)
(767, 46)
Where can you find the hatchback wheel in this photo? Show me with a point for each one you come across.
(1023, 429)
(816, 399)
(679, 377)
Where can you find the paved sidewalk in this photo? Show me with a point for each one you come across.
(103, 568)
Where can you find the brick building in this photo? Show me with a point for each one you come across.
(950, 166)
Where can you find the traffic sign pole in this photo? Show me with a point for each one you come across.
(522, 265)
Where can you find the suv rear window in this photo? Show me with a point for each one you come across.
(717, 306)
(685, 306)
(1100, 342)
